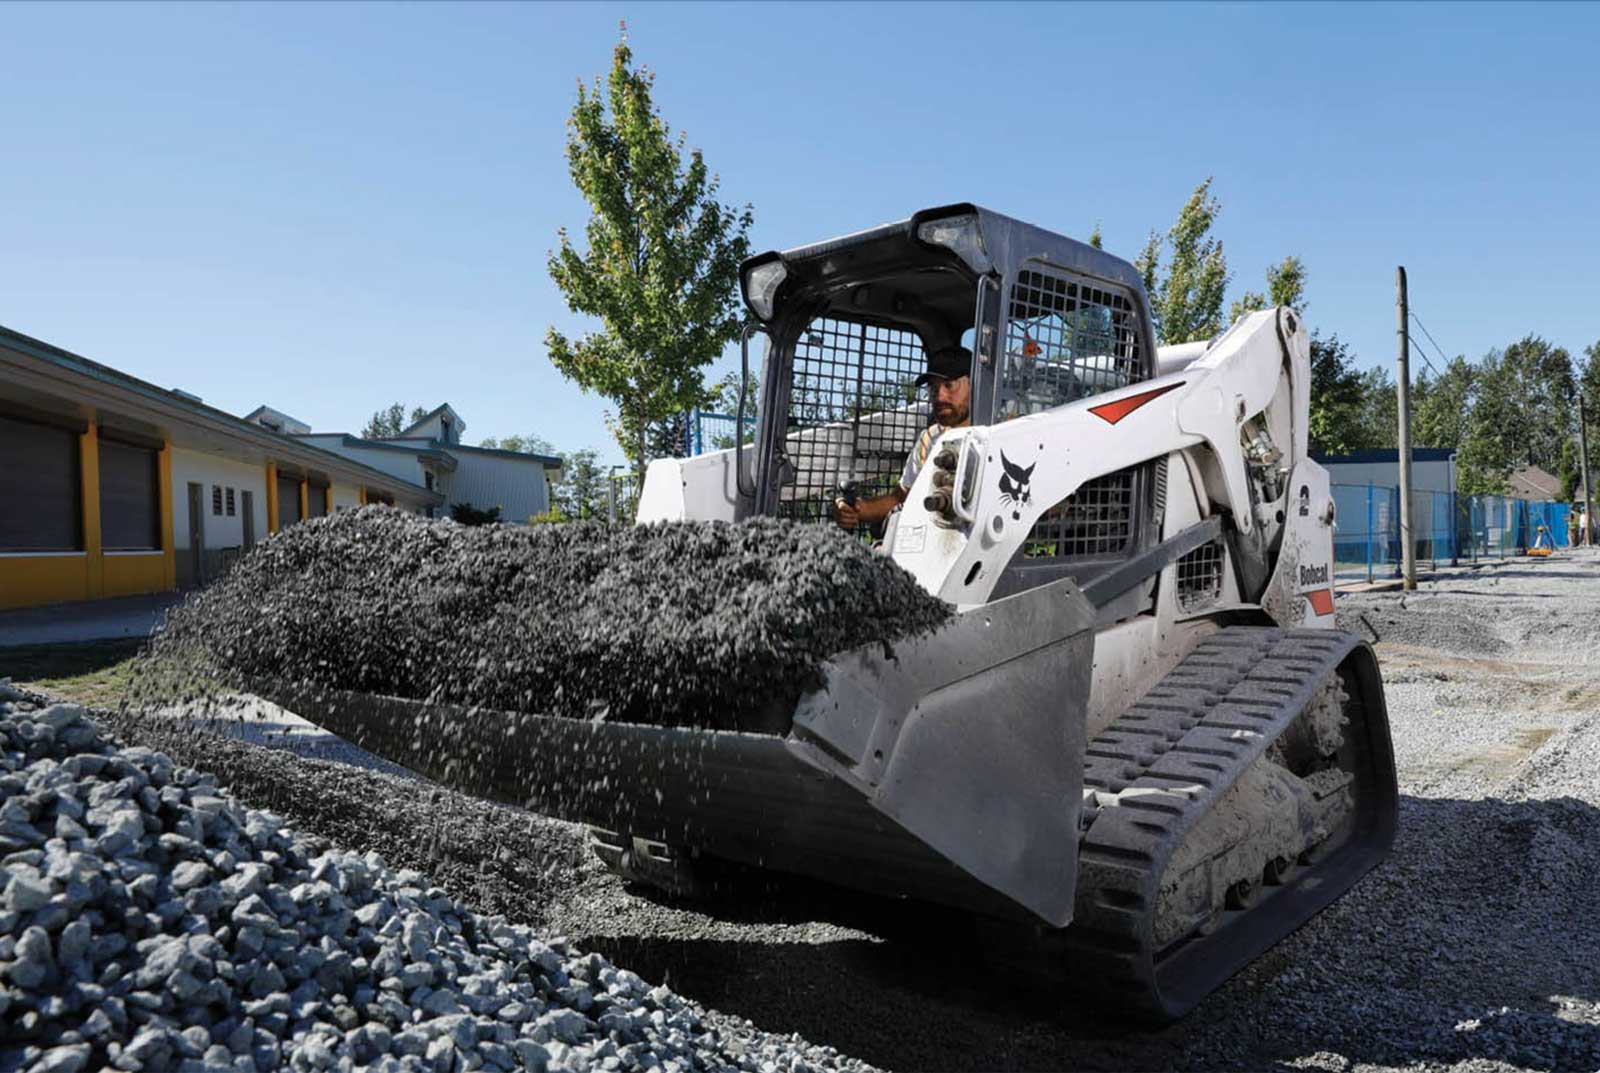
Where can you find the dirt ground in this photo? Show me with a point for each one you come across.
(1472, 947)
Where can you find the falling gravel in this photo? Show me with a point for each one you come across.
(703, 624)
(149, 921)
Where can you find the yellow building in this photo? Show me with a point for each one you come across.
(111, 486)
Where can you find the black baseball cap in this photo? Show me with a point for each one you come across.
(947, 363)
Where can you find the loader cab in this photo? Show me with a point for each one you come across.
(849, 324)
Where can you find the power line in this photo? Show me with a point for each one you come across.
(1437, 348)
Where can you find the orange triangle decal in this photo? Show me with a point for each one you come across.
(1117, 409)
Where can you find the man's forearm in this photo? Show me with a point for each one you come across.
(878, 508)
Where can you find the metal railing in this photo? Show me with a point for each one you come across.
(1447, 528)
(715, 432)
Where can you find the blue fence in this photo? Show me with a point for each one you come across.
(715, 432)
(1447, 528)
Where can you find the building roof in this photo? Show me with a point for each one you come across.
(276, 420)
(1387, 454)
(430, 415)
(292, 447)
(548, 461)
(1531, 482)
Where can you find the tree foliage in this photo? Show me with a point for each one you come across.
(1338, 399)
(388, 423)
(1440, 405)
(1286, 286)
(660, 271)
(1521, 414)
(529, 444)
(1186, 297)
(581, 491)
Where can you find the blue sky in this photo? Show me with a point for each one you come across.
(327, 208)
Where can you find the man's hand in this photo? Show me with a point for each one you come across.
(867, 511)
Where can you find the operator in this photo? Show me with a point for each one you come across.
(949, 369)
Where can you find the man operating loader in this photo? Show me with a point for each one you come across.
(951, 389)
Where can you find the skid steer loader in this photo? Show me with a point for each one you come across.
(1142, 743)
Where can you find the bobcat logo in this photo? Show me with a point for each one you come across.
(1014, 486)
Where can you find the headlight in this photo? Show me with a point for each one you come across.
(958, 234)
(761, 285)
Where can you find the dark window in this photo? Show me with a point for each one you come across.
(230, 502)
(40, 499)
(130, 497)
(288, 501)
(316, 500)
(216, 500)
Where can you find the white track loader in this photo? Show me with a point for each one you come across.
(1142, 745)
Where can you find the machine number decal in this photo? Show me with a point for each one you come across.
(1014, 482)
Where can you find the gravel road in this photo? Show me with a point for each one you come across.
(1473, 947)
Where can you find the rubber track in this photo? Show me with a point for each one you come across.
(1181, 748)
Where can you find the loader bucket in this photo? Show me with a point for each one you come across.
(948, 768)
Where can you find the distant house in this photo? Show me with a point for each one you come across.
(1533, 483)
(112, 486)
(430, 453)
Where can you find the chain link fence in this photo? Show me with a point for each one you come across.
(1448, 528)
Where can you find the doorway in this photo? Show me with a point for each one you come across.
(197, 533)
(247, 503)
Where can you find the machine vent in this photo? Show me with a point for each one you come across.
(1199, 577)
(1097, 520)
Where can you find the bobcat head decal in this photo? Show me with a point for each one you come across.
(1014, 485)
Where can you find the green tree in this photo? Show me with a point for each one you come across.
(529, 444)
(1379, 419)
(1186, 300)
(1337, 398)
(1095, 238)
(1485, 459)
(581, 491)
(725, 400)
(1441, 405)
(388, 423)
(1286, 286)
(1569, 473)
(661, 269)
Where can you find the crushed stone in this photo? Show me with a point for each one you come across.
(695, 624)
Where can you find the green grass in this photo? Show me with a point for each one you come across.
(91, 672)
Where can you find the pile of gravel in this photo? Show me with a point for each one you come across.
(696, 624)
(148, 921)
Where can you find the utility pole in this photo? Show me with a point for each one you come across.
(1583, 458)
(1408, 546)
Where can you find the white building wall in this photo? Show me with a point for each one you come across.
(1425, 476)
(208, 471)
(346, 496)
(516, 486)
(396, 462)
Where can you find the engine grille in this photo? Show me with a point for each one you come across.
(1095, 521)
(1199, 577)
